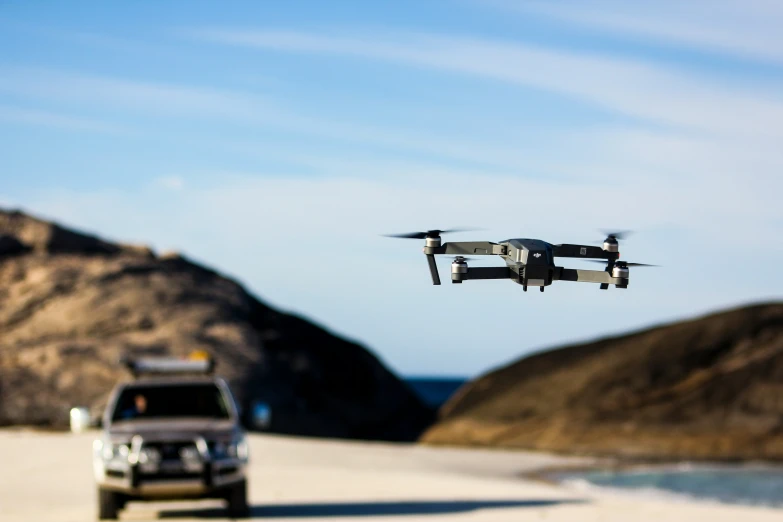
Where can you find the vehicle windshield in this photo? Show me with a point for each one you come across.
(167, 400)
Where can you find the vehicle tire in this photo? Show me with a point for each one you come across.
(237, 501)
(108, 504)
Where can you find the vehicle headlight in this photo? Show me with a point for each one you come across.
(233, 449)
(149, 459)
(191, 459)
(109, 450)
(238, 448)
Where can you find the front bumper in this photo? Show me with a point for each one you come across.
(171, 478)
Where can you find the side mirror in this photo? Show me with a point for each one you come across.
(80, 419)
(260, 415)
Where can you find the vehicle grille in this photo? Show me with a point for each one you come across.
(170, 450)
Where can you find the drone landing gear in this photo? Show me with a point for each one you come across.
(433, 269)
(541, 288)
(524, 287)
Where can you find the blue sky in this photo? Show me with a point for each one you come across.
(277, 141)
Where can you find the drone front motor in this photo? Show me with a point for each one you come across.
(620, 272)
(459, 268)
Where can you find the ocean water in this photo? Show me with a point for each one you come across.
(746, 485)
(755, 486)
(435, 391)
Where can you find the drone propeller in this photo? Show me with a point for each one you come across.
(619, 263)
(428, 233)
(619, 234)
(461, 258)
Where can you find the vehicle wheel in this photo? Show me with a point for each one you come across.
(108, 504)
(237, 501)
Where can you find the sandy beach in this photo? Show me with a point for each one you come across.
(47, 477)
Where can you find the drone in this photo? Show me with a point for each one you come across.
(529, 262)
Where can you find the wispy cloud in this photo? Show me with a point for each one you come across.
(651, 92)
(57, 120)
(170, 183)
(193, 103)
(714, 139)
(65, 86)
(745, 29)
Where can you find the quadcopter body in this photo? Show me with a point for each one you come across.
(528, 262)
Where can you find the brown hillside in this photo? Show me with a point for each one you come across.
(709, 388)
(71, 305)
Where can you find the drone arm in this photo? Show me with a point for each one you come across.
(583, 251)
(586, 276)
(470, 248)
(460, 248)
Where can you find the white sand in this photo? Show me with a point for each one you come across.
(48, 477)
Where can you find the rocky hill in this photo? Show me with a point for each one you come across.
(72, 304)
(708, 388)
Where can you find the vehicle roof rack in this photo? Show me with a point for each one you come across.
(200, 364)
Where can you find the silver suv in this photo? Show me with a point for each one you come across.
(174, 432)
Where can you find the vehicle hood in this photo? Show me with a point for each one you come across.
(167, 429)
